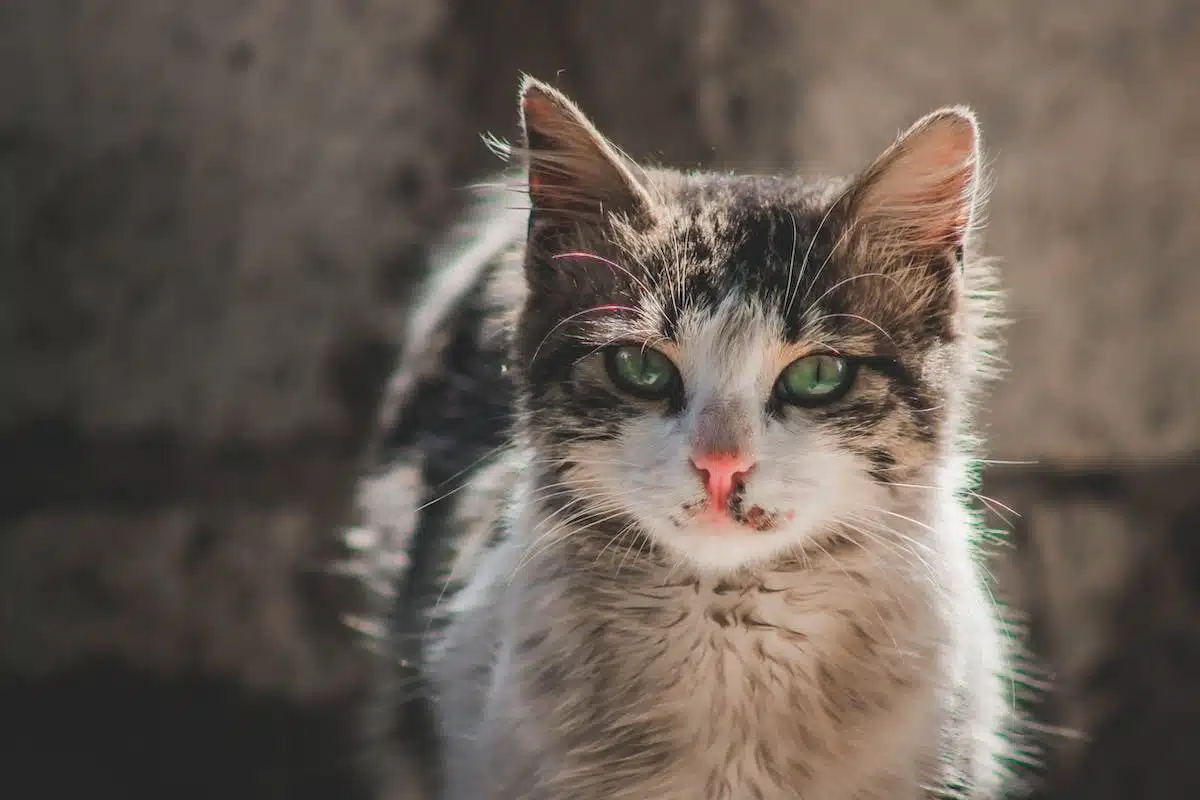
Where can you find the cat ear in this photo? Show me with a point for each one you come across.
(574, 173)
(921, 194)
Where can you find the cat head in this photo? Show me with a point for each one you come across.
(736, 366)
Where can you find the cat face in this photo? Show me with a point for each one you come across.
(736, 367)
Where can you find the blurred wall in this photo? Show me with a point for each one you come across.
(211, 213)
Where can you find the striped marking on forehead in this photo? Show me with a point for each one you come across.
(771, 255)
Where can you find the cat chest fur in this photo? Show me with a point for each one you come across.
(812, 680)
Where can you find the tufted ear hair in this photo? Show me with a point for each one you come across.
(922, 194)
(574, 173)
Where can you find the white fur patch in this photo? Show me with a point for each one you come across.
(802, 481)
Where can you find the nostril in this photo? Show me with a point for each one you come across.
(738, 478)
(722, 469)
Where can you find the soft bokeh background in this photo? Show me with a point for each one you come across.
(212, 212)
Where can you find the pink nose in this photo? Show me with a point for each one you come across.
(722, 474)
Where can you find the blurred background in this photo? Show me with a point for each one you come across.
(212, 213)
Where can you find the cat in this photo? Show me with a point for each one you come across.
(675, 481)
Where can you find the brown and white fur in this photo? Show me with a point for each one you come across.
(582, 623)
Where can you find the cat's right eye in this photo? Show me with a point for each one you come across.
(641, 371)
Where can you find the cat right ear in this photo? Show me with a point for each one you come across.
(575, 174)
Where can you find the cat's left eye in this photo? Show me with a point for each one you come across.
(815, 380)
(641, 371)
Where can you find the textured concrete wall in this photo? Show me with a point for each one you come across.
(242, 180)
(200, 198)
(211, 210)
(207, 214)
(1096, 153)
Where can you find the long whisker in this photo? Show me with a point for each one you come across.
(591, 506)
(617, 537)
(442, 496)
(997, 609)
(851, 279)
(532, 556)
(493, 451)
(862, 319)
(529, 551)
(642, 544)
(808, 252)
(571, 317)
(787, 287)
(991, 502)
(903, 544)
(603, 260)
(654, 276)
(875, 606)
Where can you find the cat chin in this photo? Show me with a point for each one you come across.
(720, 548)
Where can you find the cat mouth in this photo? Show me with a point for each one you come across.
(734, 516)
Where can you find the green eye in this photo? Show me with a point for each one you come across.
(814, 380)
(641, 371)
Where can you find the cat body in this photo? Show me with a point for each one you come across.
(828, 681)
(693, 454)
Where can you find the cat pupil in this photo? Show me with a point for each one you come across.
(823, 374)
(638, 366)
(641, 371)
(814, 378)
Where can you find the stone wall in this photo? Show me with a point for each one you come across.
(211, 212)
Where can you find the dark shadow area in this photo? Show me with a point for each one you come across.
(108, 731)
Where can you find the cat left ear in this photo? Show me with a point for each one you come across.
(575, 174)
(920, 195)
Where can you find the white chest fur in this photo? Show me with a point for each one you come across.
(819, 680)
(815, 683)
